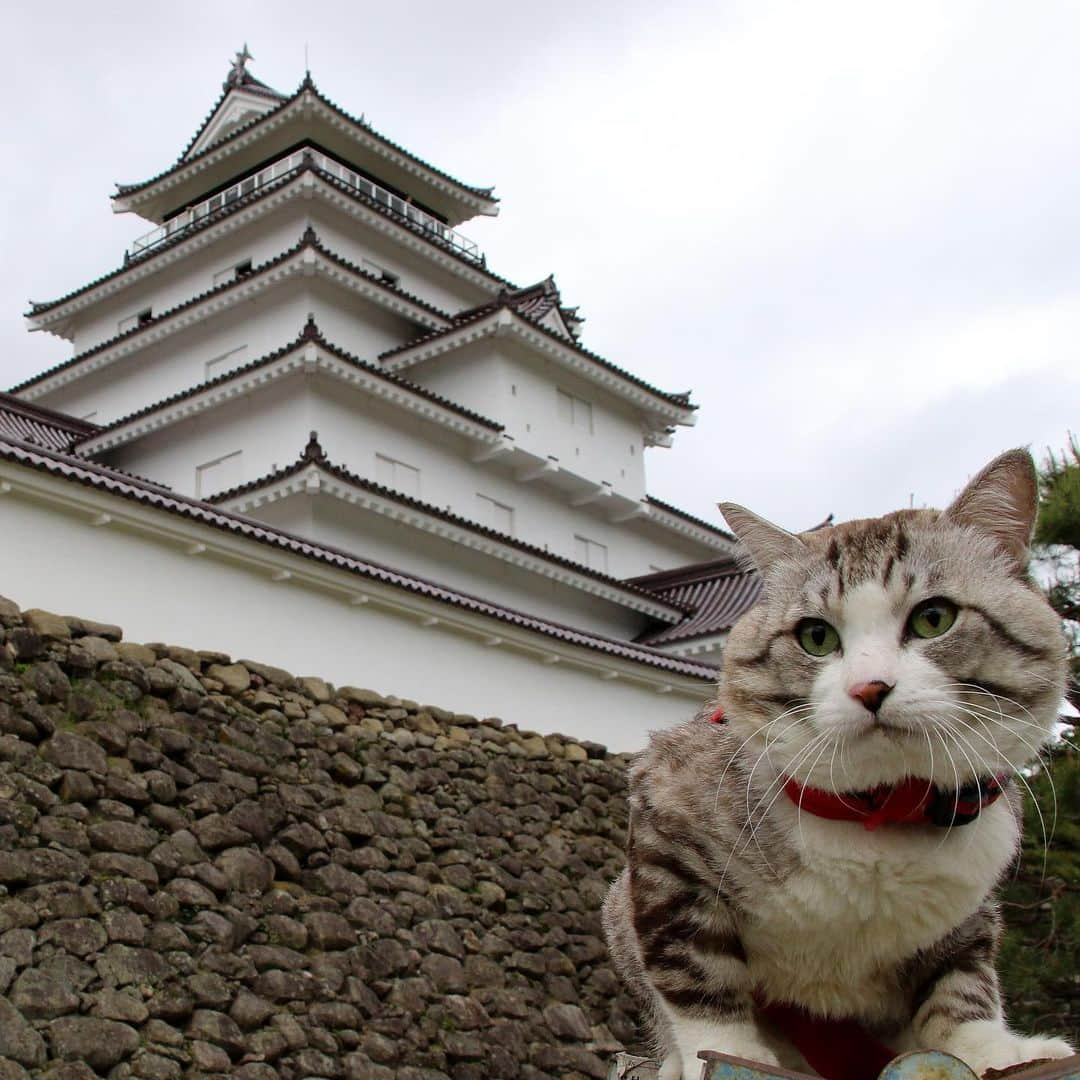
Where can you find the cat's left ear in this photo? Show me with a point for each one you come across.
(1002, 501)
(765, 542)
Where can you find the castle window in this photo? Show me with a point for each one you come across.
(141, 318)
(575, 411)
(397, 475)
(495, 515)
(380, 272)
(218, 474)
(233, 273)
(225, 362)
(591, 553)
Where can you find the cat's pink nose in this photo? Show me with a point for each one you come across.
(871, 694)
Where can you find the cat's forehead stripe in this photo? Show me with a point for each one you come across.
(866, 551)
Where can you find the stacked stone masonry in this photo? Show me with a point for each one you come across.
(212, 868)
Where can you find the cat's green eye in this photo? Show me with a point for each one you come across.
(817, 637)
(932, 618)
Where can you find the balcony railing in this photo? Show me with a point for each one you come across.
(429, 225)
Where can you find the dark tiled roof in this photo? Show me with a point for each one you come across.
(506, 302)
(310, 333)
(308, 240)
(306, 86)
(719, 591)
(147, 494)
(182, 235)
(700, 522)
(532, 301)
(41, 426)
(313, 454)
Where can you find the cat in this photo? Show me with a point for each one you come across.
(825, 851)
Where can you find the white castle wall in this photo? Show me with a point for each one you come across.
(150, 586)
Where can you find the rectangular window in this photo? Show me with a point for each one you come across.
(575, 411)
(140, 318)
(380, 272)
(220, 474)
(225, 362)
(231, 273)
(495, 515)
(397, 475)
(591, 553)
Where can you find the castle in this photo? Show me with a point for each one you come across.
(305, 414)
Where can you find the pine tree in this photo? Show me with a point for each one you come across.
(1058, 536)
(1040, 956)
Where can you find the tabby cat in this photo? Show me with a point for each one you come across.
(814, 869)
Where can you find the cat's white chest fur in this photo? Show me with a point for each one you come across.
(864, 901)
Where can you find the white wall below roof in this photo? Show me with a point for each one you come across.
(521, 389)
(56, 559)
(404, 547)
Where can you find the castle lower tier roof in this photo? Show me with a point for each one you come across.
(77, 471)
(309, 241)
(719, 591)
(41, 307)
(314, 455)
(306, 95)
(40, 426)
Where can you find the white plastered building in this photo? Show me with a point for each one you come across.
(304, 422)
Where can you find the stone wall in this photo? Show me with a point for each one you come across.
(213, 868)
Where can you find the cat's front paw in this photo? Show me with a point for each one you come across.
(986, 1044)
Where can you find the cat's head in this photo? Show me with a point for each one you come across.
(909, 645)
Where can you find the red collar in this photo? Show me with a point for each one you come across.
(911, 802)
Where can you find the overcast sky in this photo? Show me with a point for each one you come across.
(852, 229)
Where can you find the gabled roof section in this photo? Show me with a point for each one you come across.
(412, 306)
(40, 426)
(314, 455)
(98, 439)
(309, 109)
(152, 497)
(501, 316)
(243, 99)
(719, 591)
(540, 303)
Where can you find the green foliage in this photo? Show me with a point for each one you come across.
(1059, 498)
(1057, 535)
(1040, 954)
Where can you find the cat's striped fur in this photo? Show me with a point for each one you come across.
(731, 892)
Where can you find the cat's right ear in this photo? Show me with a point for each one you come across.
(763, 541)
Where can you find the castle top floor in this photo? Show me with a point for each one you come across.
(251, 126)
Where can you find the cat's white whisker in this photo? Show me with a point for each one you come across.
(798, 805)
(1018, 774)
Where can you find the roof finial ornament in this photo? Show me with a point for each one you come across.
(314, 452)
(238, 71)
